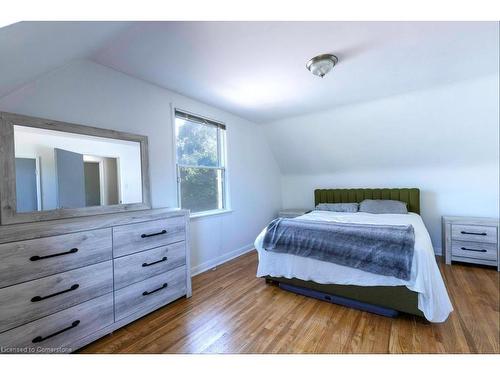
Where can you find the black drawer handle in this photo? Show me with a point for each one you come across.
(153, 234)
(37, 257)
(158, 261)
(146, 293)
(478, 250)
(38, 298)
(40, 338)
(475, 234)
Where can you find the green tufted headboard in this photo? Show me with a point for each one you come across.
(409, 195)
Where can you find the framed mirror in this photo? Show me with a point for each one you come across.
(53, 170)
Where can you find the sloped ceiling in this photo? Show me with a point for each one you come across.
(450, 126)
(31, 49)
(257, 69)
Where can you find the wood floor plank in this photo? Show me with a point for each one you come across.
(232, 311)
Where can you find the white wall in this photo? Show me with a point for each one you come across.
(443, 140)
(91, 94)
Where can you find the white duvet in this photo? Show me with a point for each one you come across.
(425, 278)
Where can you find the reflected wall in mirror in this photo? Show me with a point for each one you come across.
(60, 170)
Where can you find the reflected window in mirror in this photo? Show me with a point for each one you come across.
(56, 169)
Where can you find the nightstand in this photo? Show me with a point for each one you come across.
(471, 240)
(293, 212)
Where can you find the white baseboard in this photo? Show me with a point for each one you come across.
(195, 270)
(438, 251)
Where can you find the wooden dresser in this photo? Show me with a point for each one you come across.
(471, 240)
(65, 283)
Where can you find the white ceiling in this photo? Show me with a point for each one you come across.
(257, 69)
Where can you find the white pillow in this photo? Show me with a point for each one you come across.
(338, 207)
(383, 206)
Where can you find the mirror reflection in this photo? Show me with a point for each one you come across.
(55, 169)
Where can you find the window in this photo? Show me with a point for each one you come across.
(200, 151)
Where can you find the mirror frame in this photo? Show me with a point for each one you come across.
(8, 213)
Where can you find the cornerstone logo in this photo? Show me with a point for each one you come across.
(34, 350)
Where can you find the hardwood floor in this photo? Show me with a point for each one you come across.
(232, 311)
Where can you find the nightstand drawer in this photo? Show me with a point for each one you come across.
(474, 233)
(477, 250)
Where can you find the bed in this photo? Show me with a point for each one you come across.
(424, 294)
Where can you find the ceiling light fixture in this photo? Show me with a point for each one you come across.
(322, 64)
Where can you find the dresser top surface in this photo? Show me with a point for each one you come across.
(25, 231)
(472, 220)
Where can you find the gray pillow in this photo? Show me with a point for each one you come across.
(338, 207)
(383, 206)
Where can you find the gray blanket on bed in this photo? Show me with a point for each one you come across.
(381, 249)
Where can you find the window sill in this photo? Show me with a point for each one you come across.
(198, 215)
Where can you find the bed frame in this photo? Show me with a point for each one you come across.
(383, 300)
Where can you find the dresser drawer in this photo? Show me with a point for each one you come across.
(145, 264)
(28, 260)
(477, 250)
(474, 233)
(35, 299)
(151, 293)
(132, 238)
(61, 329)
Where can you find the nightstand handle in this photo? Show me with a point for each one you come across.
(478, 250)
(476, 234)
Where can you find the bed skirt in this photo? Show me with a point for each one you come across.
(398, 298)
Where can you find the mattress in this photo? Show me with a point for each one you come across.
(425, 279)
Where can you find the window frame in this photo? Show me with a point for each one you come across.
(221, 162)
